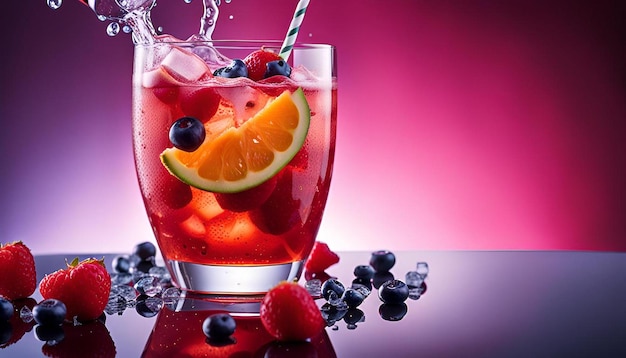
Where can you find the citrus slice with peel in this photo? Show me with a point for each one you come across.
(243, 157)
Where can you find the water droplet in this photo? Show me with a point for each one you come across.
(102, 17)
(187, 1)
(113, 29)
(54, 4)
(231, 17)
(228, 1)
(127, 29)
(310, 34)
(160, 29)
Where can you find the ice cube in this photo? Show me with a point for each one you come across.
(149, 286)
(314, 287)
(184, 65)
(422, 269)
(121, 279)
(116, 304)
(127, 292)
(171, 296)
(413, 279)
(160, 272)
(26, 314)
(154, 304)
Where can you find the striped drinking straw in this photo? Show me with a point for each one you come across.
(294, 27)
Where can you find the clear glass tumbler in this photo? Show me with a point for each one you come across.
(232, 242)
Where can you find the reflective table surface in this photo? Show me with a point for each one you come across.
(476, 304)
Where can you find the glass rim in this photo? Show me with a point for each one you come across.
(236, 43)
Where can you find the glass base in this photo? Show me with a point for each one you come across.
(231, 280)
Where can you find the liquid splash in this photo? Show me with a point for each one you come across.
(134, 17)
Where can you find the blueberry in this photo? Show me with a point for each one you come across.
(332, 285)
(365, 272)
(382, 260)
(145, 250)
(393, 292)
(352, 298)
(6, 309)
(362, 282)
(6, 332)
(381, 277)
(277, 68)
(50, 312)
(121, 264)
(187, 134)
(392, 312)
(237, 68)
(219, 326)
(49, 333)
(353, 316)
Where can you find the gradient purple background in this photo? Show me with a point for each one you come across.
(464, 124)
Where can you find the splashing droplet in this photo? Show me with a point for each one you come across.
(127, 29)
(54, 4)
(231, 17)
(102, 17)
(160, 29)
(187, 1)
(113, 29)
(228, 1)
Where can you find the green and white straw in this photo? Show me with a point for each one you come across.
(294, 27)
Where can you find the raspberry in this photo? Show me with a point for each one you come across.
(17, 265)
(83, 287)
(289, 313)
(321, 258)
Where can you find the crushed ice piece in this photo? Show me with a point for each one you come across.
(413, 279)
(171, 295)
(26, 315)
(362, 289)
(422, 269)
(184, 65)
(121, 278)
(314, 287)
(116, 304)
(138, 275)
(334, 299)
(149, 286)
(154, 304)
(415, 293)
(128, 292)
(160, 272)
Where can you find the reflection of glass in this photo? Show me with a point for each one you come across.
(178, 333)
(241, 243)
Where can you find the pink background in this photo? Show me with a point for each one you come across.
(465, 124)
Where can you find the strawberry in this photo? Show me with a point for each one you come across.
(19, 278)
(85, 340)
(289, 313)
(256, 62)
(83, 286)
(321, 258)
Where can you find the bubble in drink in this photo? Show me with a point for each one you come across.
(54, 4)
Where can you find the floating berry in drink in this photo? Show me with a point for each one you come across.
(277, 68)
(237, 68)
(382, 260)
(219, 326)
(247, 200)
(187, 134)
(202, 103)
(257, 63)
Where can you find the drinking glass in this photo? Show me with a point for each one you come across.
(239, 243)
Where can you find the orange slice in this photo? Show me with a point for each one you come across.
(243, 157)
